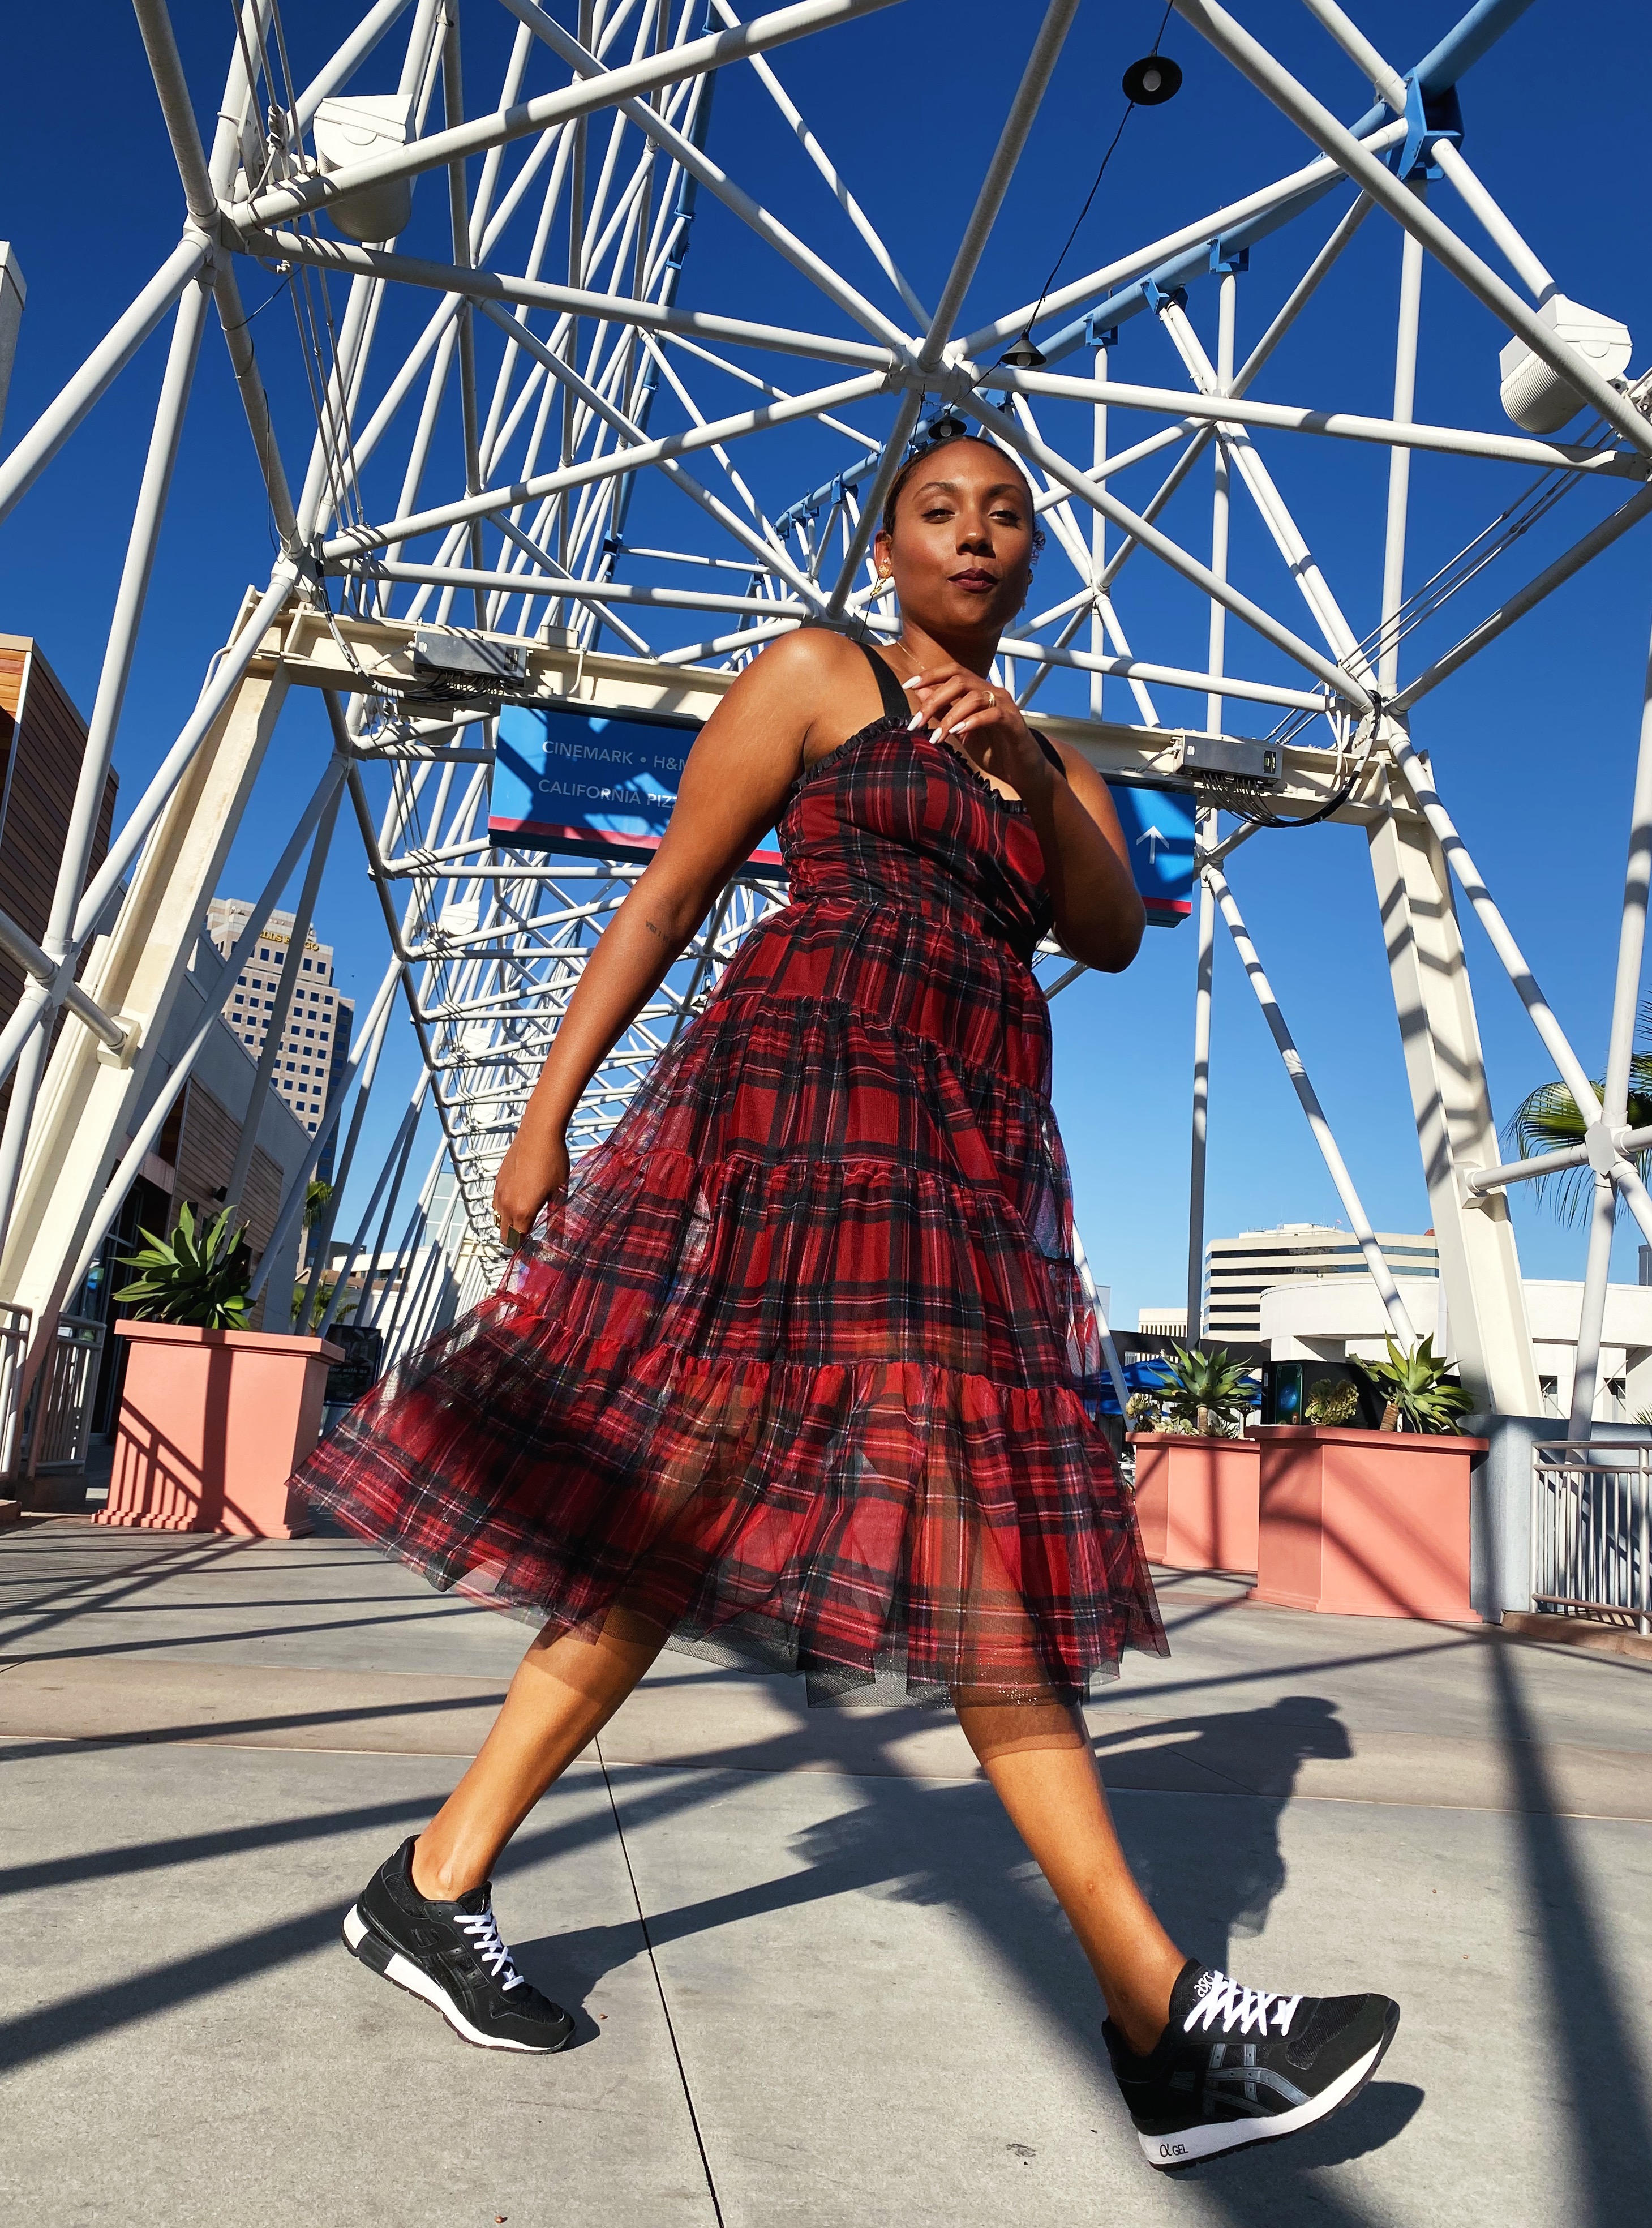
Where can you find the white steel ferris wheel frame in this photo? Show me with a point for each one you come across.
(556, 324)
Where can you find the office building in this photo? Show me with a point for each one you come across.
(42, 741)
(1162, 1323)
(1238, 1270)
(315, 1043)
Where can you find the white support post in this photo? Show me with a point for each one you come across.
(1591, 1314)
(1480, 1276)
(86, 1103)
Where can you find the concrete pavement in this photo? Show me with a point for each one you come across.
(819, 1982)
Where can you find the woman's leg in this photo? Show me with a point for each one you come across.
(563, 1693)
(1039, 1758)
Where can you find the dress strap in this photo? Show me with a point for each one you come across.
(896, 705)
(1049, 751)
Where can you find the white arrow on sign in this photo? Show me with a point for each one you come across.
(1153, 837)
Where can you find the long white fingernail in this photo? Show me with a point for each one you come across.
(913, 683)
(914, 723)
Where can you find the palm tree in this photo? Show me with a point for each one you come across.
(1547, 1119)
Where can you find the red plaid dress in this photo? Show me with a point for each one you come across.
(795, 1365)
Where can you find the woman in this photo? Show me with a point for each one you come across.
(791, 1369)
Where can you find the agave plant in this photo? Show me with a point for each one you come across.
(1208, 1392)
(190, 1278)
(1547, 1119)
(1417, 1394)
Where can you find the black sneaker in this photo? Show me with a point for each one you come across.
(450, 1954)
(1237, 2066)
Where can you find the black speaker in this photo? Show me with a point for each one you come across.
(1153, 80)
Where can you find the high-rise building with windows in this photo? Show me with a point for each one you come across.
(311, 1058)
(1238, 1270)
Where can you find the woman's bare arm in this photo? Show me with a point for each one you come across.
(743, 761)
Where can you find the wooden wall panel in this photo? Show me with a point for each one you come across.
(206, 1154)
(43, 739)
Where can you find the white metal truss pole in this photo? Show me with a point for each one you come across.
(226, 678)
(1394, 555)
(1253, 60)
(1343, 684)
(116, 669)
(1482, 1299)
(1605, 1143)
(292, 1204)
(1592, 1315)
(276, 1023)
(1029, 94)
(1097, 534)
(178, 111)
(1204, 978)
(1419, 779)
(305, 1306)
(1552, 576)
(28, 459)
(390, 1173)
(1359, 1222)
(1390, 86)
(1228, 312)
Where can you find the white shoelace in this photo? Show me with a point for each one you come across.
(484, 1931)
(1253, 2011)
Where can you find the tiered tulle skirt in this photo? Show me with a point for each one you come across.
(797, 1366)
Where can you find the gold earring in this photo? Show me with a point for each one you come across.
(881, 583)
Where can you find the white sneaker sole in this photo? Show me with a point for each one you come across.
(405, 1975)
(1215, 2137)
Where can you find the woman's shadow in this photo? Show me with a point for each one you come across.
(1212, 1880)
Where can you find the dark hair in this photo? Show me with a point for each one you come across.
(934, 446)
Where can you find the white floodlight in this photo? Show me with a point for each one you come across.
(348, 132)
(1535, 397)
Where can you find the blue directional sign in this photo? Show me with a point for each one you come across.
(1158, 827)
(600, 784)
(597, 785)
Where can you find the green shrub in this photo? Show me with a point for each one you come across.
(1416, 1392)
(1208, 1392)
(189, 1279)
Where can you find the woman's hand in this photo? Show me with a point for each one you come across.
(534, 1170)
(956, 703)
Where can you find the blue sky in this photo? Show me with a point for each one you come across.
(1534, 743)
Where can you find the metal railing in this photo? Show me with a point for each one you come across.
(14, 1345)
(65, 1423)
(1591, 1525)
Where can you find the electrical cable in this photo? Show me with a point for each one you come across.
(1026, 337)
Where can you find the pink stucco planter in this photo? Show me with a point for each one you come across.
(1365, 1523)
(1196, 1500)
(212, 1423)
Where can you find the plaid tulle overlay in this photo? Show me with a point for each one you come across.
(796, 1366)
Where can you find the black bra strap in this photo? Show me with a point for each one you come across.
(895, 703)
(1049, 751)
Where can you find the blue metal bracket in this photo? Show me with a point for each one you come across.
(1429, 117)
(1157, 298)
(1224, 259)
(1097, 335)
